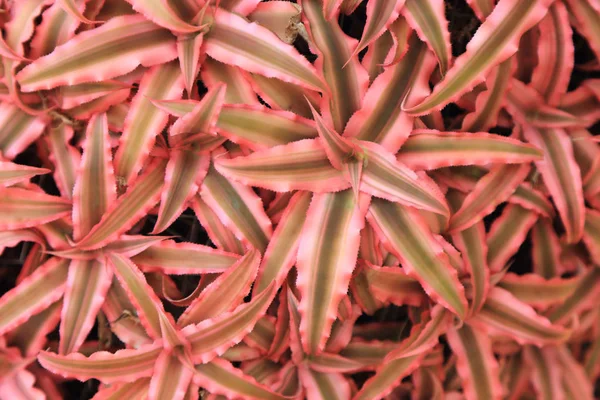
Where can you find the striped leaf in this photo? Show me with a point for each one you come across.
(489, 102)
(380, 15)
(546, 377)
(147, 305)
(324, 385)
(504, 313)
(183, 176)
(170, 379)
(387, 377)
(586, 13)
(113, 49)
(346, 78)
(391, 284)
(122, 366)
(222, 378)
(65, 158)
(582, 297)
(537, 291)
(281, 252)
(144, 121)
(21, 208)
(95, 188)
(127, 209)
(562, 178)
(405, 234)
(507, 234)
(162, 14)
(300, 165)
(381, 119)
(225, 293)
(428, 19)
(35, 293)
(235, 41)
(19, 130)
(494, 188)
(238, 208)
(218, 233)
(326, 258)
(495, 41)
(555, 47)
(184, 258)
(471, 242)
(210, 338)
(475, 362)
(11, 173)
(86, 287)
(546, 250)
(426, 149)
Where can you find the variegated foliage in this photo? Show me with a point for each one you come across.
(197, 209)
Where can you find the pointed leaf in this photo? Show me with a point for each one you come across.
(475, 362)
(162, 14)
(128, 208)
(538, 291)
(387, 178)
(428, 19)
(95, 188)
(122, 366)
(326, 259)
(391, 284)
(65, 157)
(184, 173)
(555, 47)
(144, 121)
(35, 293)
(503, 313)
(220, 377)
(147, 304)
(239, 208)
(20, 208)
(562, 178)
(225, 293)
(381, 119)
(495, 41)
(322, 385)
(212, 337)
(218, 233)
(110, 50)
(426, 149)
(387, 377)
(170, 379)
(494, 188)
(346, 78)
(233, 40)
(300, 165)
(281, 252)
(19, 130)
(405, 234)
(87, 285)
(380, 15)
(507, 234)
(11, 173)
(582, 297)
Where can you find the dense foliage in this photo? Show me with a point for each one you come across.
(322, 199)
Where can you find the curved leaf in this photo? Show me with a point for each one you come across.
(405, 234)
(326, 259)
(495, 41)
(233, 40)
(110, 50)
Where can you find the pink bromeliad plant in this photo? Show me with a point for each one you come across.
(311, 199)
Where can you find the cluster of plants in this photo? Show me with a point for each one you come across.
(321, 199)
